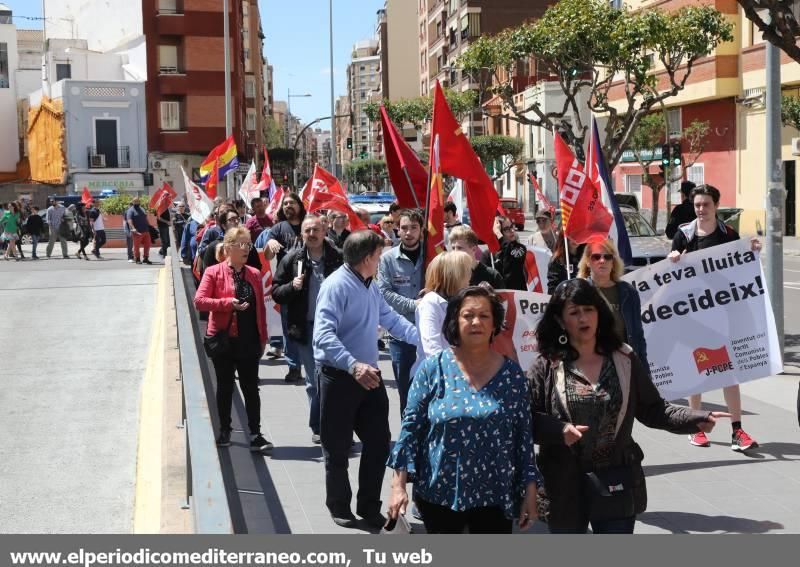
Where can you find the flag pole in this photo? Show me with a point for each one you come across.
(411, 186)
(434, 148)
(563, 225)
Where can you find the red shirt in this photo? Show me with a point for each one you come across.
(256, 225)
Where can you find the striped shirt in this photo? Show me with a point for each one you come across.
(55, 214)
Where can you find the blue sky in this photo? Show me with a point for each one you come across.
(296, 44)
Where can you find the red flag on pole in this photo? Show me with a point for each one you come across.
(321, 182)
(540, 195)
(275, 203)
(162, 198)
(213, 181)
(86, 197)
(333, 201)
(460, 160)
(406, 173)
(583, 214)
(434, 239)
(532, 277)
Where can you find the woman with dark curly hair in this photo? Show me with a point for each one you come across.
(587, 387)
(466, 440)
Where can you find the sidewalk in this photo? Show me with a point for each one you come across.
(691, 490)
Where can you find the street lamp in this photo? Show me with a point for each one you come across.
(289, 97)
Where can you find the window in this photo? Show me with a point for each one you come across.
(361, 68)
(696, 173)
(250, 87)
(246, 54)
(63, 71)
(674, 121)
(167, 6)
(363, 95)
(633, 185)
(5, 80)
(170, 115)
(251, 119)
(168, 59)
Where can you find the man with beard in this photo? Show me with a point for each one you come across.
(282, 238)
(296, 286)
(136, 218)
(400, 280)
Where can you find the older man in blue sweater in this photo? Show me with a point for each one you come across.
(352, 393)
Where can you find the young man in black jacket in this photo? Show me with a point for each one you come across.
(682, 213)
(510, 260)
(296, 285)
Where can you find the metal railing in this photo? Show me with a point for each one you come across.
(105, 158)
(205, 487)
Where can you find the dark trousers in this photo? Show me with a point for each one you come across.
(99, 241)
(403, 357)
(444, 520)
(163, 235)
(616, 526)
(83, 242)
(247, 369)
(346, 407)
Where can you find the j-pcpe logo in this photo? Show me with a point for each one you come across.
(712, 361)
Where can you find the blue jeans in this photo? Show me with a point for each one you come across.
(34, 244)
(305, 358)
(616, 526)
(289, 346)
(403, 357)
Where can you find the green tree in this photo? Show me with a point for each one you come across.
(590, 48)
(783, 28)
(651, 134)
(498, 153)
(367, 172)
(274, 134)
(417, 111)
(790, 112)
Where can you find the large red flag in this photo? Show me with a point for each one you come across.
(162, 198)
(321, 182)
(406, 173)
(460, 160)
(86, 197)
(583, 214)
(434, 240)
(213, 181)
(275, 204)
(333, 201)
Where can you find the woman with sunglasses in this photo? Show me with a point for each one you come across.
(387, 229)
(228, 219)
(602, 266)
(233, 295)
(587, 386)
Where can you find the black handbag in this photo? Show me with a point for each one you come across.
(219, 344)
(609, 493)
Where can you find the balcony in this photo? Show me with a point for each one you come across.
(100, 158)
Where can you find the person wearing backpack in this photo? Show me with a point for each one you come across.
(704, 232)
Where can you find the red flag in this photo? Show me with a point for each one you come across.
(532, 277)
(434, 240)
(321, 182)
(213, 181)
(275, 203)
(708, 358)
(406, 173)
(162, 198)
(582, 212)
(86, 197)
(333, 201)
(266, 175)
(459, 160)
(540, 195)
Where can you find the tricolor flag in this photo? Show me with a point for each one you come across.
(224, 155)
(598, 172)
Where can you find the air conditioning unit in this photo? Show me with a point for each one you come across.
(99, 160)
(796, 146)
(156, 164)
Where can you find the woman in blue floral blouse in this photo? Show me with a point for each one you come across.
(466, 441)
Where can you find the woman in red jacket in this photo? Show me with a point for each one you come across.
(231, 291)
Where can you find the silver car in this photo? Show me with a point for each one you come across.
(647, 247)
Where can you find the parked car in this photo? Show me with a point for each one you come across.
(515, 212)
(26, 237)
(377, 204)
(647, 247)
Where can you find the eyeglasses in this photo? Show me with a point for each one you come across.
(540, 220)
(243, 245)
(232, 219)
(388, 222)
(508, 229)
(606, 257)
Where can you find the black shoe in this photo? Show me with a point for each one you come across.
(35, 257)
(260, 445)
(294, 375)
(374, 520)
(147, 261)
(138, 261)
(315, 439)
(224, 439)
(346, 520)
(381, 344)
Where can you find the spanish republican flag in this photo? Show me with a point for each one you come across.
(226, 157)
(434, 239)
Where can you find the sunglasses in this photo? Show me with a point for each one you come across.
(243, 245)
(508, 229)
(606, 257)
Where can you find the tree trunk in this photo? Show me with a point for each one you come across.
(654, 209)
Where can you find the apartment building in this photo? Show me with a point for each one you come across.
(396, 27)
(727, 89)
(254, 95)
(363, 87)
(269, 94)
(344, 131)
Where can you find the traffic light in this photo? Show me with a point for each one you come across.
(675, 154)
(349, 143)
(665, 158)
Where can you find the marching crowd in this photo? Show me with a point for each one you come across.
(470, 416)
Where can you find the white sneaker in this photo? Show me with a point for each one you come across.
(130, 261)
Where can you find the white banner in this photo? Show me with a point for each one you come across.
(708, 320)
(523, 311)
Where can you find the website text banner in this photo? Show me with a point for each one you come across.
(367, 550)
(708, 320)
(523, 311)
